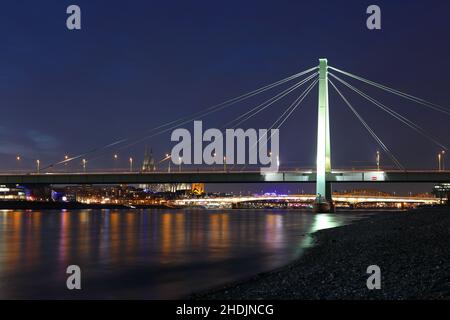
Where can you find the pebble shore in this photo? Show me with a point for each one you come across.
(411, 248)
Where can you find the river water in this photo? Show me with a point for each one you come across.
(147, 254)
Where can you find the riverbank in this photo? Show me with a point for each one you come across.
(411, 248)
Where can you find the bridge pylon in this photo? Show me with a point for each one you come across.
(324, 201)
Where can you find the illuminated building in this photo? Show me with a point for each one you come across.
(12, 193)
(442, 191)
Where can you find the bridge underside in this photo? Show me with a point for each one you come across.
(226, 177)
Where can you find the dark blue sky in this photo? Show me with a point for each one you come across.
(137, 64)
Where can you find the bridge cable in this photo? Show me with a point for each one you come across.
(396, 92)
(254, 111)
(368, 128)
(240, 98)
(292, 108)
(192, 118)
(286, 114)
(393, 113)
(211, 109)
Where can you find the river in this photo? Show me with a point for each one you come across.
(147, 254)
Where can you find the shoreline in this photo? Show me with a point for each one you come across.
(411, 248)
(50, 205)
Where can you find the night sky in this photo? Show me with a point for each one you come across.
(137, 64)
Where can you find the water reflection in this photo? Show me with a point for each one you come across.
(321, 221)
(146, 254)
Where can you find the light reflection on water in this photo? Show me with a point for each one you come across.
(147, 254)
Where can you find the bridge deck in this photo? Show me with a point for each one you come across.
(224, 177)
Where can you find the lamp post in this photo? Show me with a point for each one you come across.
(378, 160)
(441, 160)
(66, 157)
(180, 159)
(224, 164)
(18, 158)
(38, 163)
(131, 164)
(84, 165)
(170, 160)
(115, 157)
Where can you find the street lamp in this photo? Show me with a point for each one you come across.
(115, 157)
(18, 162)
(66, 157)
(131, 164)
(84, 165)
(225, 164)
(441, 160)
(378, 160)
(170, 160)
(38, 163)
(180, 159)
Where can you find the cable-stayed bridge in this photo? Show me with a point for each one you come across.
(323, 174)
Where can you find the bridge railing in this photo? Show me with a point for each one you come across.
(208, 170)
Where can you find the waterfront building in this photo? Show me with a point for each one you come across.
(12, 193)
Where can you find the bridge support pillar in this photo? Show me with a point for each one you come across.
(324, 201)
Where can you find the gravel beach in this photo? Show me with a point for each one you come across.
(411, 248)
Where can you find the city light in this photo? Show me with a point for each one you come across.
(441, 160)
(66, 157)
(168, 156)
(378, 160)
